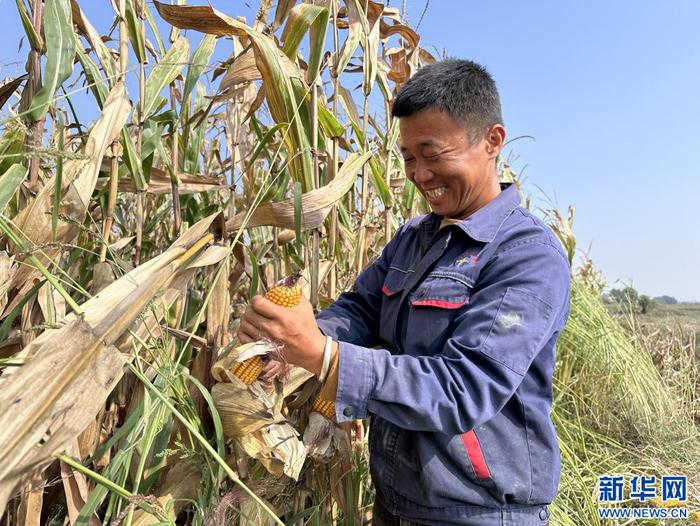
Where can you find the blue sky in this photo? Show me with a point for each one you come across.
(610, 93)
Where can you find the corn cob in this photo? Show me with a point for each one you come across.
(286, 293)
(248, 370)
(324, 407)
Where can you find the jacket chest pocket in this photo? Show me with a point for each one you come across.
(392, 290)
(434, 305)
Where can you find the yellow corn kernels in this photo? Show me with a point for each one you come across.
(249, 370)
(286, 293)
(324, 407)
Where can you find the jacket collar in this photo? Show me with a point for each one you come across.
(483, 225)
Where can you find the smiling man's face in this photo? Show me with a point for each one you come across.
(455, 176)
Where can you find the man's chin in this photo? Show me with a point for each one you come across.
(443, 211)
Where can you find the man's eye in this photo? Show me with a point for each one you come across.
(409, 159)
(434, 157)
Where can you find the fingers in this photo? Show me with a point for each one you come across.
(252, 326)
(247, 333)
(272, 370)
(264, 307)
(255, 319)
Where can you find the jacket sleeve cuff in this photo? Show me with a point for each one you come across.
(355, 381)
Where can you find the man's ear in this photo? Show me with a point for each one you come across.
(495, 139)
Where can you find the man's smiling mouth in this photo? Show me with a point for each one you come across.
(435, 192)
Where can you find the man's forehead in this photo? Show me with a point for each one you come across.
(428, 141)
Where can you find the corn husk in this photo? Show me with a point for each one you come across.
(277, 447)
(252, 415)
(325, 439)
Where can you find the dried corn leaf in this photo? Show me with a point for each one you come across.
(287, 97)
(7, 270)
(315, 204)
(29, 513)
(52, 305)
(62, 387)
(9, 87)
(86, 29)
(244, 70)
(201, 18)
(351, 42)
(219, 308)
(79, 178)
(121, 243)
(211, 256)
(386, 30)
(196, 341)
(242, 412)
(379, 9)
(108, 308)
(160, 182)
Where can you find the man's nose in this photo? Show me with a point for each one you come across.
(421, 173)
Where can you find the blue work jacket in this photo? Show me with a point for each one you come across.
(447, 341)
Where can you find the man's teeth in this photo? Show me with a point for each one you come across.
(436, 192)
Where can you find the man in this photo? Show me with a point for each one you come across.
(464, 305)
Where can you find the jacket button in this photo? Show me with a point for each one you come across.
(347, 411)
(543, 514)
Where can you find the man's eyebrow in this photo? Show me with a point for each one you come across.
(427, 142)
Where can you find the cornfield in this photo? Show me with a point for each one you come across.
(130, 246)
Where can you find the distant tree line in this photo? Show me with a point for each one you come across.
(639, 302)
(666, 300)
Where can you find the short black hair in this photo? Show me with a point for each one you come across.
(461, 88)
